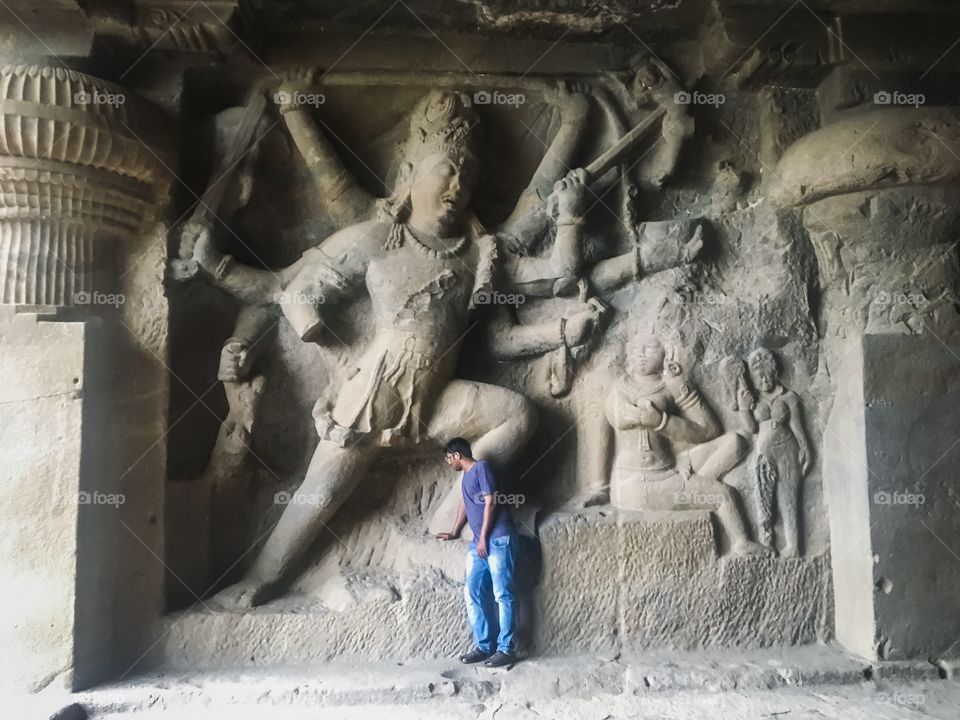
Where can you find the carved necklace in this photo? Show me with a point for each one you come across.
(445, 253)
(641, 388)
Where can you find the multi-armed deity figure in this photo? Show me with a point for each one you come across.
(773, 415)
(671, 453)
(422, 265)
(423, 262)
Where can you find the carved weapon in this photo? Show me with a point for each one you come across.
(205, 210)
(615, 152)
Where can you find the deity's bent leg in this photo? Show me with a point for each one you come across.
(497, 422)
(333, 473)
(717, 457)
(716, 496)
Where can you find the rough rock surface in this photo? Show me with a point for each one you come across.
(649, 580)
(816, 682)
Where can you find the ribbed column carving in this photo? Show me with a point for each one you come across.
(79, 170)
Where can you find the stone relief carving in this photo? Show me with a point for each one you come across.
(773, 414)
(671, 452)
(724, 243)
(423, 264)
(596, 252)
(427, 263)
(235, 135)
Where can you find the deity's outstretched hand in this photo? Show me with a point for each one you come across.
(571, 99)
(198, 240)
(292, 82)
(580, 326)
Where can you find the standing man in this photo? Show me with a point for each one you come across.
(489, 577)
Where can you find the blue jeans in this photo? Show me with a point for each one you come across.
(489, 593)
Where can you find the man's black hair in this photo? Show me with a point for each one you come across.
(458, 445)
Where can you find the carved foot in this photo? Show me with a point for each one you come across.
(592, 498)
(693, 246)
(789, 551)
(748, 547)
(244, 595)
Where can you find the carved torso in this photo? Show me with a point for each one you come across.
(421, 306)
(773, 417)
(643, 453)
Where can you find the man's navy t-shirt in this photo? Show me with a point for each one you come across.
(477, 482)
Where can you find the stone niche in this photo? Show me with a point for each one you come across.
(675, 240)
(651, 270)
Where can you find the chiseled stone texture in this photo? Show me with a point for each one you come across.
(654, 579)
(426, 619)
(610, 583)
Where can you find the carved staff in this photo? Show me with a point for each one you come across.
(239, 145)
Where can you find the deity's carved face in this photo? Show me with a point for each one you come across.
(441, 187)
(646, 355)
(765, 379)
(763, 370)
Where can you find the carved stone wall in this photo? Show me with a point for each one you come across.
(649, 266)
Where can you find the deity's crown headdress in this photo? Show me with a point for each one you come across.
(443, 122)
(762, 359)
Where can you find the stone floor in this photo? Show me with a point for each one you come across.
(904, 701)
(812, 683)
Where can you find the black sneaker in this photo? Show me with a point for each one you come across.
(500, 659)
(474, 656)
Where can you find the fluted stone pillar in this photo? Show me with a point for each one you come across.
(80, 165)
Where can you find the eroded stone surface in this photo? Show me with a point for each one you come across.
(650, 593)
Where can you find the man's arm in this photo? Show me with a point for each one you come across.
(488, 490)
(489, 507)
(458, 524)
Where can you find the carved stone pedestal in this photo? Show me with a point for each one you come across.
(654, 580)
(421, 616)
